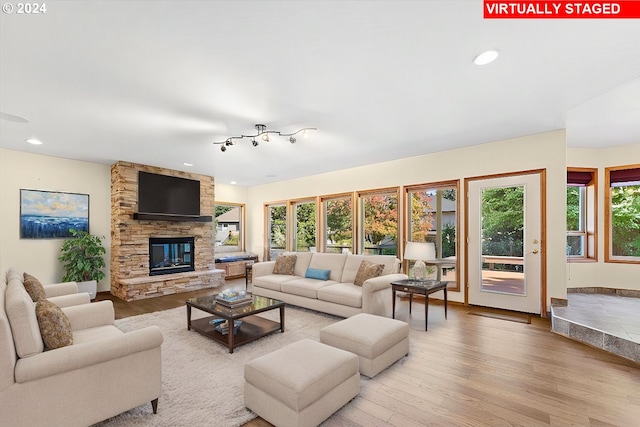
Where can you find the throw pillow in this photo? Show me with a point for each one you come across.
(316, 273)
(34, 287)
(367, 271)
(55, 326)
(285, 264)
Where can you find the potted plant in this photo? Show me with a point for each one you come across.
(83, 258)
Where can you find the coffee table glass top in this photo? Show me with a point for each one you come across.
(210, 305)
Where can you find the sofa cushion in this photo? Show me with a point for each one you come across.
(55, 326)
(304, 287)
(302, 262)
(272, 281)
(285, 264)
(367, 271)
(333, 262)
(21, 312)
(315, 273)
(342, 293)
(34, 287)
(352, 265)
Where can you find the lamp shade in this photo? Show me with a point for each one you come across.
(420, 251)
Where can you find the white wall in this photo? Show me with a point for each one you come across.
(19, 170)
(545, 150)
(600, 273)
(230, 193)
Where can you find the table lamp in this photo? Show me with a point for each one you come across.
(419, 251)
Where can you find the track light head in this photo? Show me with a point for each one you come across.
(223, 148)
(292, 140)
(254, 142)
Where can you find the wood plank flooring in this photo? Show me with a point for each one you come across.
(478, 371)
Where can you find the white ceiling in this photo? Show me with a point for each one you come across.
(156, 82)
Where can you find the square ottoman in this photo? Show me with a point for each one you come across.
(301, 384)
(378, 341)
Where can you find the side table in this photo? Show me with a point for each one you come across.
(419, 287)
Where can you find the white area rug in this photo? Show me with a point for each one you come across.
(202, 384)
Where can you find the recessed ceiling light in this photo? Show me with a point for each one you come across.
(233, 183)
(34, 141)
(486, 57)
(187, 164)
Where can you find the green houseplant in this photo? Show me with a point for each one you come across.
(83, 258)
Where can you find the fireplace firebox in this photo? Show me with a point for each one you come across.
(171, 255)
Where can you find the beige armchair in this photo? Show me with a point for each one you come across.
(103, 373)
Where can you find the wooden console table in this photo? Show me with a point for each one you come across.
(234, 267)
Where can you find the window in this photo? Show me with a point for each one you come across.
(581, 214)
(622, 214)
(431, 212)
(337, 223)
(378, 222)
(304, 226)
(229, 223)
(276, 215)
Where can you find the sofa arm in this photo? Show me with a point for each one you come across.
(71, 299)
(381, 282)
(262, 268)
(57, 289)
(90, 353)
(90, 315)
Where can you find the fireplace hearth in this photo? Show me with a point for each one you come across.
(169, 255)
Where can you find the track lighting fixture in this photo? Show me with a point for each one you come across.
(262, 133)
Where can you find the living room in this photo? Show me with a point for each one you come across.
(165, 90)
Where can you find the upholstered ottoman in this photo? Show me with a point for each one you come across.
(378, 341)
(301, 384)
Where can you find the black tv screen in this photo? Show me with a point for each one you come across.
(168, 195)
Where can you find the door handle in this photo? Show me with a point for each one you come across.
(535, 241)
(535, 251)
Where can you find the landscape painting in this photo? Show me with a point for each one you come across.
(50, 214)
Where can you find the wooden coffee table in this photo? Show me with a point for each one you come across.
(252, 327)
(419, 287)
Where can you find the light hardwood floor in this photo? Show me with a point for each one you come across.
(477, 371)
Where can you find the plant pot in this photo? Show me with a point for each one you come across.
(90, 286)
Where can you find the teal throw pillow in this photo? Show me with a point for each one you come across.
(315, 273)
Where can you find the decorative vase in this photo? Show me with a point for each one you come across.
(419, 270)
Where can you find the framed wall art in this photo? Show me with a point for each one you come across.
(50, 214)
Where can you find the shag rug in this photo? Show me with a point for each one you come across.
(202, 383)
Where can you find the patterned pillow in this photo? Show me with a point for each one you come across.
(367, 271)
(34, 287)
(55, 327)
(285, 264)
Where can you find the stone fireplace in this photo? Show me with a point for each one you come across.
(131, 250)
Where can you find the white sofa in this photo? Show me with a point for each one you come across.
(337, 295)
(103, 373)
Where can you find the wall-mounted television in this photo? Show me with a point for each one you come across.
(168, 195)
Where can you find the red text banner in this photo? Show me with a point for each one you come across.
(624, 9)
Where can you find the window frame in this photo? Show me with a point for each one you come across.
(241, 226)
(267, 228)
(406, 231)
(589, 200)
(608, 239)
(360, 223)
(292, 226)
(322, 229)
